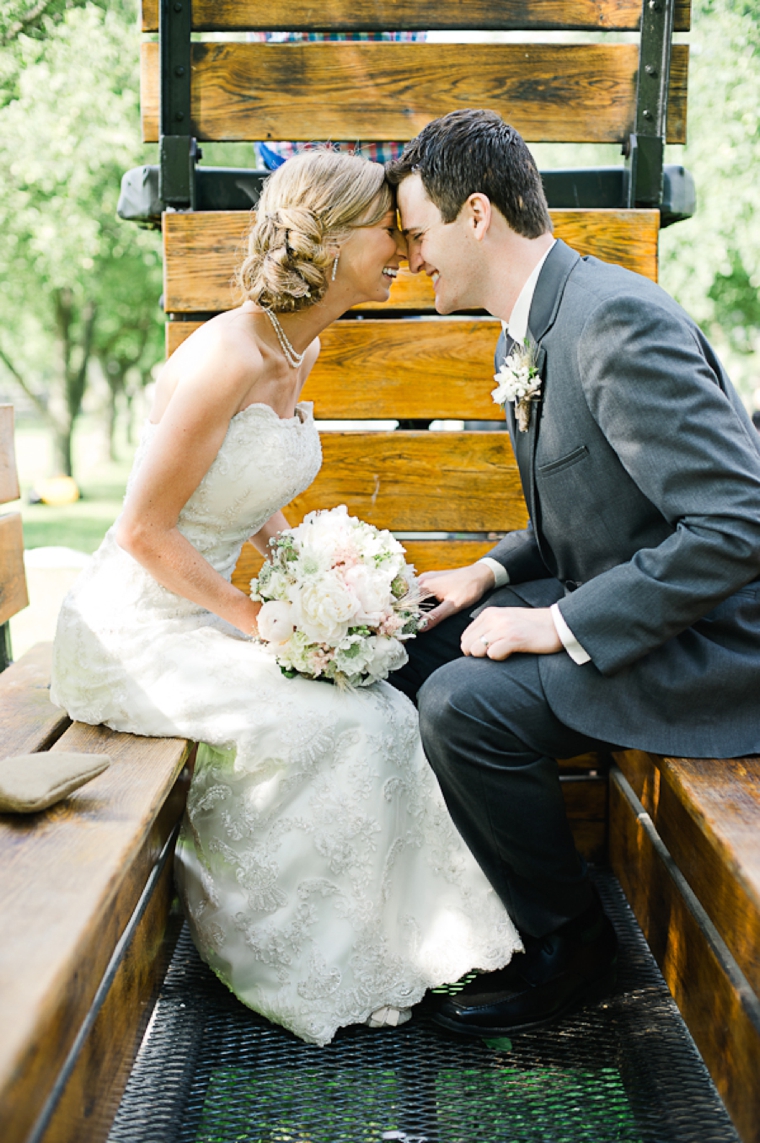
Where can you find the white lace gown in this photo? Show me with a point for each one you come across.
(320, 872)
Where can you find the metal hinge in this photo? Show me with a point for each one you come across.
(645, 146)
(178, 150)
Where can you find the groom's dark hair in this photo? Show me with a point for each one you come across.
(466, 152)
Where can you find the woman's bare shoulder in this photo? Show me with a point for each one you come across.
(226, 339)
(222, 356)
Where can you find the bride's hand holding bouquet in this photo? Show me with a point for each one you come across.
(338, 600)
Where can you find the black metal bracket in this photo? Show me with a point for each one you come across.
(645, 147)
(178, 150)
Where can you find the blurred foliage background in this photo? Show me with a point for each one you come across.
(81, 327)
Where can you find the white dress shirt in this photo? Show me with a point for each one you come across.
(517, 329)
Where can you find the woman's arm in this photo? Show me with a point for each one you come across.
(186, 441)
(274, 525)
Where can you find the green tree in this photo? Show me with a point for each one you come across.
(76, 283)
(711, 263)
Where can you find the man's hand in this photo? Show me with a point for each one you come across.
(456, 590)
(500, 631)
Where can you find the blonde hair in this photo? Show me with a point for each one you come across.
(309, 204)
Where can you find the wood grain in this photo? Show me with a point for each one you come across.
(13, 593)
(429, 368)
(372, 15)
(92, 1095)
(424, 555)
(707, 812)
(561, 93)
(586, 806)
(726, 1029)
(72, 876)
(201, 251)
(419, 481)
(28, 720)
(9, 489)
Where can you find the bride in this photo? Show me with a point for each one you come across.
(321, 876)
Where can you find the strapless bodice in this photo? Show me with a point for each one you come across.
(263, 462)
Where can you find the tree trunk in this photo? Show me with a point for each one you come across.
(115, 376)
(72, 379)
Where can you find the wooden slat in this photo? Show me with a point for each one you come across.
(411, 15)
(707, 812)
(424, 555)
(13, 593)
(432, 368)
(201, 251)
(28, 720)
(560, 93)
(9, 489)
(91, 1097)
(72, 876)
(723, 1021)
(586, 805)
(419, 481)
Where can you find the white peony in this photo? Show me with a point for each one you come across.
(275, 621)
(388, 656)
(371, 587)
(323, 609)
(355, 654)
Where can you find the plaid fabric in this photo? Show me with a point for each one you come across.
(272, 155)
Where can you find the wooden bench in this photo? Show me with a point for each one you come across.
(685, 845)
(86, 923)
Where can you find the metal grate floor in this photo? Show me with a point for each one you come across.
(625, 1071)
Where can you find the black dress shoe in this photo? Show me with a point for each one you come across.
(557, 974)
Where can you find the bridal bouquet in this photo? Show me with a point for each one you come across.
(338, 600)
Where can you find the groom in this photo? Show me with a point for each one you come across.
(628, 612)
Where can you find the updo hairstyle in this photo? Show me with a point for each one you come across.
(308, 206)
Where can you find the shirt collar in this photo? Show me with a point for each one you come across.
(517, 326)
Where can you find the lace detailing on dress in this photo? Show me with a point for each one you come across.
(334, 883)
(321, 874)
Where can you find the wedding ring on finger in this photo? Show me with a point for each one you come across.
(486, 642)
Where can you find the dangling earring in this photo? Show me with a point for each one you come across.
(335, 267)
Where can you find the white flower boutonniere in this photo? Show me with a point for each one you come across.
(518, 381)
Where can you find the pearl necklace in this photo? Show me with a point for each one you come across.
(293, 359)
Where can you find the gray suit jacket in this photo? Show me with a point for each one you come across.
(641, 471)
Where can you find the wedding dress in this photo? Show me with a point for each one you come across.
(321, 875)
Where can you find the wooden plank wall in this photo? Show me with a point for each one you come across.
(368, 15)
(13, 593)
(9, 489)
(549, 92)
(201, 252)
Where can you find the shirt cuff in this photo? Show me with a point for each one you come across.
(500, 573)
(568, 640)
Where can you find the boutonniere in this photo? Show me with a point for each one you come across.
(518, 380)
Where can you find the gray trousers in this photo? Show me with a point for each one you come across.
(492, 740)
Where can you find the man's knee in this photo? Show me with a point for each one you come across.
(436, 701)
(492, 713)
(455, 715)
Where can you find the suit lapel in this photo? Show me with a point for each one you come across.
(525, 446)
(543, 312)
(549, 289)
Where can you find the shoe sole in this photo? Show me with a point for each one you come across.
(597, 991)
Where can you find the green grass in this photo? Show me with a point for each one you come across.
(101, 481)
